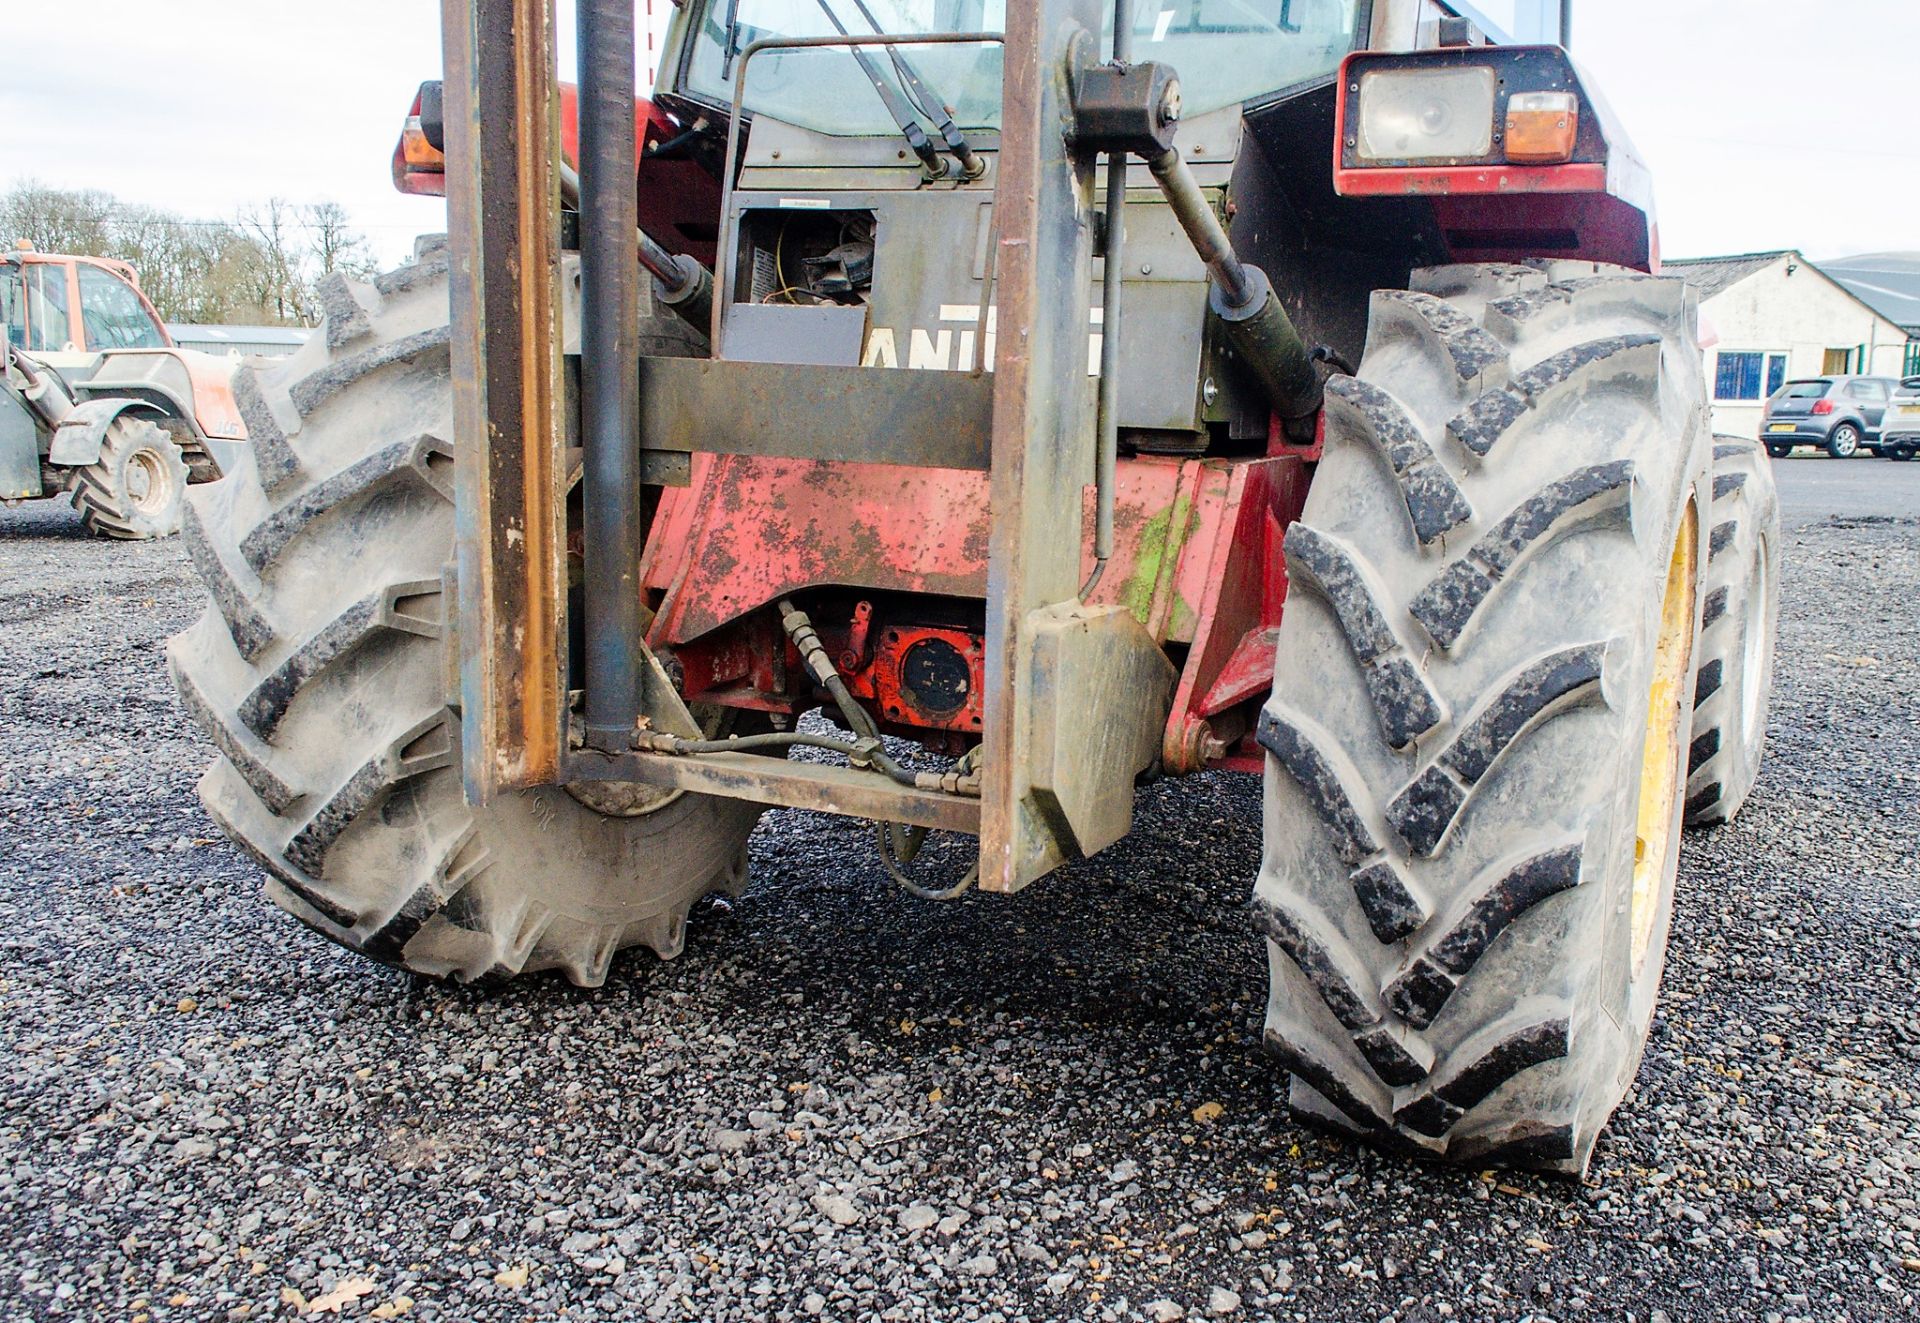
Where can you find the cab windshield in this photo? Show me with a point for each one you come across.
(1227, 52)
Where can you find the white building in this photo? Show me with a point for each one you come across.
(239, 341)
(1771, 318)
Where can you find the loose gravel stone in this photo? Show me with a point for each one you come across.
(1004, 1081)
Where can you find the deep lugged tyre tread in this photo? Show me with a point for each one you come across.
(320, 674)
(1732, 693)
(1387, 892)
(100, 493)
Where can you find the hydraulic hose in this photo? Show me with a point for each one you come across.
(1106, 469)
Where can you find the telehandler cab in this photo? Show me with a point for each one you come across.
(96, 400)
(1050, 395)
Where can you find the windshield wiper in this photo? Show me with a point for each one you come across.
(897, 105)
(931, 104)
(732, 46)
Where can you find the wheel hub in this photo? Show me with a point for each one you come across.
(1662, 772)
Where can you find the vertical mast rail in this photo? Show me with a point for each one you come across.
(615, 516)
(503, 131)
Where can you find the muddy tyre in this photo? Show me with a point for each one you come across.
(322, 671)
(1481, 712)
(1738, 620)
(137, 488)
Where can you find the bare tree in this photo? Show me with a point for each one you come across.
(335, 245)
(263, 266)
(55, 220)
(277, 277)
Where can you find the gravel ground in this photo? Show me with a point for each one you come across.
(848, 1104)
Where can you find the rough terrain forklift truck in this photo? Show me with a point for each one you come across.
(992, 406)
(97, 402)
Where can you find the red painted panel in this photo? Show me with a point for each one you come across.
(1198, 561)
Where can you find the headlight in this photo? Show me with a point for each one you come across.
(1426, 114)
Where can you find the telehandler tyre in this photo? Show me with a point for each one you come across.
(322, 674)
(1737, 624)
(137, 488)
(1481, 715)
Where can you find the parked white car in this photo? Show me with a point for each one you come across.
(1900, 433)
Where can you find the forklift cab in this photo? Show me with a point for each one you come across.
(67, 309)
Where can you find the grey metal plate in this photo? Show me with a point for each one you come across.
(858, 415)
(776, 333)
(19, 449)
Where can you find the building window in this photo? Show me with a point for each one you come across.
(1749, 376)
(1838, 363)
(1912, 369)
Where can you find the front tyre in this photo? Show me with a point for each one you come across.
(1739, 617)
(1481, 712)
(1844, 443)
(137, 489)
(320, 672)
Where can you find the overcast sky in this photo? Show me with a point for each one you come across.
(1768, 123)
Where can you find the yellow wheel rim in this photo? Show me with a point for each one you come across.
(1661, 769)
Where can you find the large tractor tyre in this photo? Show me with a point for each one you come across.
(1738, 620)
(322, 672)
(1481, 713)
(137, 488)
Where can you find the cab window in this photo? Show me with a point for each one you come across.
(13, 306)
(47, 328)
(113, 315)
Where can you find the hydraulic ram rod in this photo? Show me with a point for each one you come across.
(680, 282)
(615, 515)
(1244, 300)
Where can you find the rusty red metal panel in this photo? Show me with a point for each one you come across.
(1235, 571)
(749, 530)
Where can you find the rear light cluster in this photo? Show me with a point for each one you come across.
(1821, 408)
(1465, 109)
(419, 164)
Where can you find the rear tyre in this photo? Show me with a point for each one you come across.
(321, 673)
(137, 488)
(1739, 616)
(1779, 452)
(1480, 713)
(1901, 454)
(1844, 443)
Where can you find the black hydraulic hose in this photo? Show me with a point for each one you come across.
(813, 654)
(609, 389)
(863, 752)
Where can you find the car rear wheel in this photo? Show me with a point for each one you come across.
(1845, 441)
(1778, 451)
